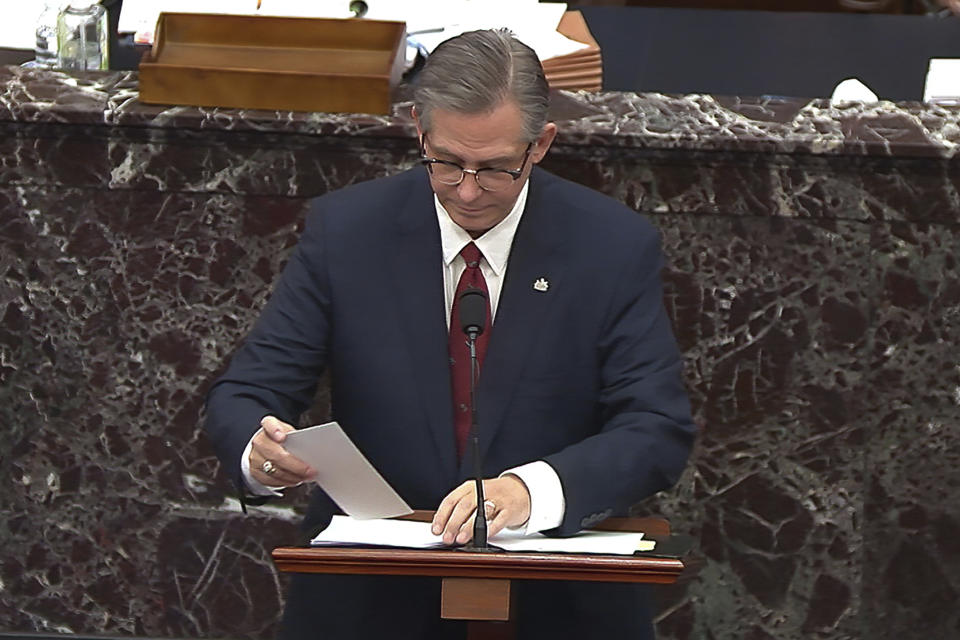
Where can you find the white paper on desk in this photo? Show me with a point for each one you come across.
(344, 473)
(622, 543)
(417, 535)
(386, 533)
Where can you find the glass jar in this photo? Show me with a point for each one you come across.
(45, 50)
(82, 35)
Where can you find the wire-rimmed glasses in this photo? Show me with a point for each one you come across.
(488, 178)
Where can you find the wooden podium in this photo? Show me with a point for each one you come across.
(477, 586)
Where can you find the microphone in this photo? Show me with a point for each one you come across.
(473, 312)
(473, 321)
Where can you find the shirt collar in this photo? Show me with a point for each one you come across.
(494, 244)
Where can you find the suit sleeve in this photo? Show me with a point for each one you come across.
(276, 369)
(645, 430)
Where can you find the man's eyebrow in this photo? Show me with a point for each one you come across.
(491, 163)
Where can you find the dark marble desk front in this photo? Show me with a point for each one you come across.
(812, 280)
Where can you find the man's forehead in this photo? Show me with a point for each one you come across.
(487, 136)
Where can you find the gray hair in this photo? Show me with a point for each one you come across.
(476, 71)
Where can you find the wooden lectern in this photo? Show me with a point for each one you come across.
(477, 586)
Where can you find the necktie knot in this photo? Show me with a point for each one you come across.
(471, 255)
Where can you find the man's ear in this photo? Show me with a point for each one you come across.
(542, 144)
(416, 120)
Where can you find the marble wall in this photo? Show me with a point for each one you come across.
(812, 280)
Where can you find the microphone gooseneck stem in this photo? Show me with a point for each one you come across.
(480, 519)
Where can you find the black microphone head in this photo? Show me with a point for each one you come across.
(473, 311)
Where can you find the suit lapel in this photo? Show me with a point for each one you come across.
(416, 266)
(536, 255)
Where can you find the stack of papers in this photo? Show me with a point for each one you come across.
(570, 55)
(344, 530)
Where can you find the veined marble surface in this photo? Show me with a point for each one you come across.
(812, 280)
(650, 121)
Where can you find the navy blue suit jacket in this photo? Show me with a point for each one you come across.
(585, 375)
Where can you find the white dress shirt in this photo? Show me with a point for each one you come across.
(547, 504)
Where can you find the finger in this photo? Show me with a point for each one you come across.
(276, 479)
(442, 515)
(288, 469)
(498, 523)
(465, 534)
(462, 512)
(489, 509)
(275, 428)
(490, 512)
(265, 448)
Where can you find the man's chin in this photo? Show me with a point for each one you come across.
(472, 221)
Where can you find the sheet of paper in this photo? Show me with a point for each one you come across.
(417, 535)
(387, 533)
(344, 473)
(611, 542)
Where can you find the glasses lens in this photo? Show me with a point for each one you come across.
(494, 180)
(445, 173)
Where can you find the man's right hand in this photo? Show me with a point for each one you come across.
(288, 470)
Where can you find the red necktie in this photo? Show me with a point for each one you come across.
(471, 278)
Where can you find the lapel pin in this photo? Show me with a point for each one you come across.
(541, 285)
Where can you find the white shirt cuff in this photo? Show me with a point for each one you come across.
(547, 504)
(253, 485)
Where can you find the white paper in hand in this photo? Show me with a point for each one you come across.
(344, 473)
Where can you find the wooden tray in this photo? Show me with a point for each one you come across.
(265, 62)
(579, 70)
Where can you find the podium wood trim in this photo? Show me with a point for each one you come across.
(451, 563)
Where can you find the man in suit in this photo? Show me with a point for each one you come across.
(581, 406)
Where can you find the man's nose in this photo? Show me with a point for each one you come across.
(468, 189)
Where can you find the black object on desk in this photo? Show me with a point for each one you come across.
(758, 53)
(15, 56)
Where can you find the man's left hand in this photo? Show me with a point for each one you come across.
(507, 505)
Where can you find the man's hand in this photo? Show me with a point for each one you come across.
(507, 505)
(267, 445)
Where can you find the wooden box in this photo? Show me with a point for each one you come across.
(264, 62)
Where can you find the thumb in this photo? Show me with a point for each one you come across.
(275, 429)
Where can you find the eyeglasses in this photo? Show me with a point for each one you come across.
(488, 178)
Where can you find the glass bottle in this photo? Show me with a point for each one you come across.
(82, 35)
(45, 50)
